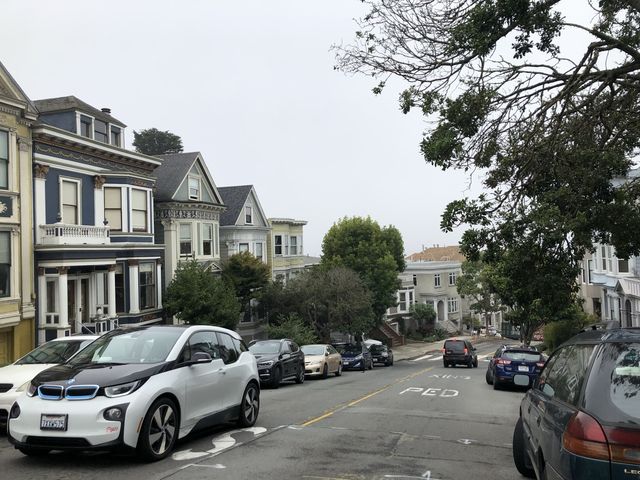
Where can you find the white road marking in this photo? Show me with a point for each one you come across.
(435, 359)
(422, 358)
(220, 444)
(217, 466)
(466, 441)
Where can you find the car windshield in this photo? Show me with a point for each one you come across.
(265, 347)
(522, 356)
(313, 349)
(53, 352)
(149, 345)
(352, 349)
(613, 388)
(377, 348)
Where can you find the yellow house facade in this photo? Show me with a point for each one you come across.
(17, 296)
(285, 248)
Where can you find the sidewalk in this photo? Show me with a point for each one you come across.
(415, 349)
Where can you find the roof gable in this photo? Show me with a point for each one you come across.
(10, 90)
(62, 104)
(236, 197)
(174, 172)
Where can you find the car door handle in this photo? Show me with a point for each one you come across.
(222, 371)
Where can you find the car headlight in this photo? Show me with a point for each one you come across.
(31, 389)
(121, 390)
(384, 354)
(358, 357)
(267, 363)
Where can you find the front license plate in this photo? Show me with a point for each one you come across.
(53, 422)
(523, 368)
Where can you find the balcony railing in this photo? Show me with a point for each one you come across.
(63, 234)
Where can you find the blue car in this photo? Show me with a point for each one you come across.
(356, 357)
(581, 418)
(514, 365)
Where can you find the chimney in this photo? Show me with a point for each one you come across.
(106, 110)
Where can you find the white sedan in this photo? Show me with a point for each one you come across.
(141, 388)
(15, 378)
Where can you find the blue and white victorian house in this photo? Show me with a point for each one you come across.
(96, 262)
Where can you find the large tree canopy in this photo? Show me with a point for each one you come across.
(156, 142)
(545, 106)
(548, 127)
(375, 253)
(247, 274)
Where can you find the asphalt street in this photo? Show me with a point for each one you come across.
(415, 419)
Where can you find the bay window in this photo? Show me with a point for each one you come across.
(185, 239)
(147, 285)
(5, 264)
(207, 239)
(4, 159)
(113, 208)
(139, 206)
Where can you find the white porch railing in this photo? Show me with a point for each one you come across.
(63, 234)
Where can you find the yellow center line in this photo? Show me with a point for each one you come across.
(362, 399)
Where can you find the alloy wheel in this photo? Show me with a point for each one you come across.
(162, 429)
(250, 406)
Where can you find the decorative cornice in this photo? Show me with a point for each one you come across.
(12, 111)
(40, 171)
(63, 270)
(186, 212)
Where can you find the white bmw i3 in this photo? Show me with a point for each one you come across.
(141, 388)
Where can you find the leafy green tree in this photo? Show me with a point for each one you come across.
(247, 274)
(294, 327)
(477, 283)
(537, 130)
(152, 141)
(424, 315)
(197, 296)
(376, 254)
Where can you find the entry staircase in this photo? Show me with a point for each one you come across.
(388, 335)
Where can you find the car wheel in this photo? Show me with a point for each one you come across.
(339, 371)
(496, 384)
(470, 364)
(325, 371)
(34, 452)
(488, 378)
(277, 378)
(159, 430)
(371, 365)
(475, 363)
(249, 406)
(519, 452)
(446, 365)
(300, 375)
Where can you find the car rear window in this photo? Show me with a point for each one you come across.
(613, 388)
(522, 356)
(456, 346)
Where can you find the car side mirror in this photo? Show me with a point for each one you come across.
(474, 348)
(200, 357)
(326, 354)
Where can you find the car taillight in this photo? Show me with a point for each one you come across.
(624, 444)
(584, 436)
(503, 362)
(540, 364)
(466, 351)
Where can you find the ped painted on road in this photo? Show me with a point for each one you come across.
(432, 392)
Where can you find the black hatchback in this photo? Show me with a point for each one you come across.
(459, 352)
(581, 419)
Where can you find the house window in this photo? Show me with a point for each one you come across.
(113, 208)
(277, 240)
(452, 278)
(216, 240)
(248, 217)
(147, 286)
(4, 159)
(70, 201)
(194, 188)
(86, 129)
(116, 135)
(120, 288)
(139, 210)
(293, 245)
(185, 239)
(590, 265)
(453, 305)
(5, 264)
(623, 266)
(403, 302)
(286, 245)
(436, 280)
(258, 250)
(243, 247)
(207, 239)
(100, 131)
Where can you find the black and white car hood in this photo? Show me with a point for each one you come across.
(104, 375)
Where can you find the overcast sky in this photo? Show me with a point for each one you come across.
(251, 85)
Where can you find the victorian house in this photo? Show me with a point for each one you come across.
(243, 226)
(187, 212)
(96, 262)
(17, 295)
(284, 248)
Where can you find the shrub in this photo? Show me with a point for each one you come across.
(293, 326)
